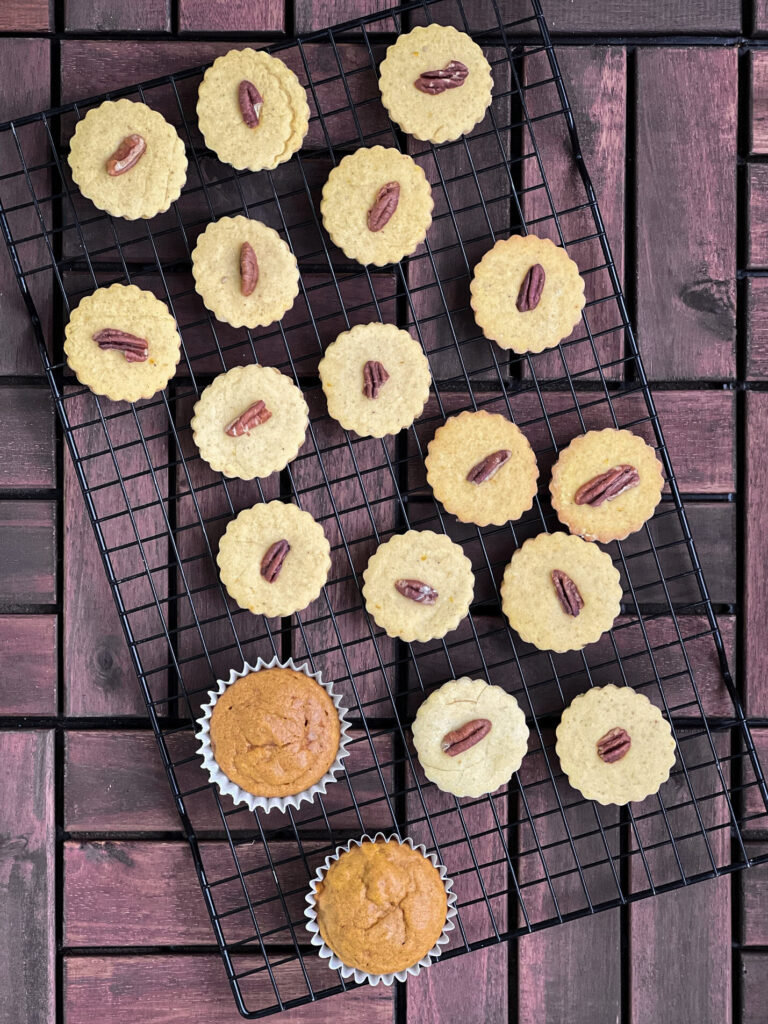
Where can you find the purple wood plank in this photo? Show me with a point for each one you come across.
(757, 328)
(756, 582)
(231, 16)
(753, 974)
(316, 14)
(759, 103)
(687, 287)
(28, 552)
(115, 16)
(757, 183)
(25, 16)
(27, 924)
(26, 426)
(760, 24)
(753, 888)
(754, 804)
(595, 78)
(28, 664)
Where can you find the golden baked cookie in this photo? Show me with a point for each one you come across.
(418, 585)
(482, 468)
(127, 159)
(527, 294)
(376, 379)
(470, 737)
(251, 421)
(122, 342)
(224, 284)
(606, 484)
(614, 745)
(560, 592)
(377, 205)
(274, 559)
(435, 83)
(251, 129)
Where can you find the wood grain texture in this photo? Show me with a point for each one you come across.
(472, 987)
(753, 975)
(28, 552)
(623, 16)
(27, 924)
(115, 16)
(316, 14)
(753, 892)
(760, 22)
(757, 328)
(26, 426)
(686, 288)
(755, 568)
(753, 801)
(758, 103)
(757, 185)
(28, 665)
(231, 16)
(25, 16)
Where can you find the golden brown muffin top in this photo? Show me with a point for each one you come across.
(275, 732)
(381, 907)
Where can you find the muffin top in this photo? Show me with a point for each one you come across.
(381, 907)
(275, 732)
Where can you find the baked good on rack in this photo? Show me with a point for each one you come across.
(606, 484)
(122, 342)
(376, 379)
(244, 272)
(560, 592)
(614, 745)
(435, 83)
(127, 159)
(470, 737)
(250, 422)
(377, 205)
(482, 468)
(252, 110)
(527, 294)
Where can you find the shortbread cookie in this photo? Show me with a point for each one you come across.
(128, 160)
(527, 294)
(435, 83)
(418, 585)
(470, 737)
(377, 205)
(376, 379)
(614, 745)
(606, 484)
(482, 468)
(251, 421)
(252, 110)
(274, 559)
(560, 592)
(122, 342)
(230, 286)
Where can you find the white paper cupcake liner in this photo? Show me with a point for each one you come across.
(327, 953)
(231, 789)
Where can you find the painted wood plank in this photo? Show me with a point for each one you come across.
(316, 14)
(619, 17)
(28, 552)
(758, 102)
(26, 426)
(757, 328)
(25, 16)
(686, 316)
(231, 16)
(757, 184)
(753, 976)
(755, 565)
(760, 22)
(471, 987)
(114, 16)
(28, 664)
(27, 925)
(753, 890)
(753, 801)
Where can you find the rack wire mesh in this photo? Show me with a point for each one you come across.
(531, 855)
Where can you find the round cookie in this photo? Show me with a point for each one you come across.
(153, 182)
(353, 190)
(349, 387)
(122, 309)
(249, 550)
(482, 468)
(255, 446)
(283, 116)
(529, 592)
(431, 568)
(216, 270)
(492, 760)
(611, 455)
(443, 114)
(614, 745)
(497, 287)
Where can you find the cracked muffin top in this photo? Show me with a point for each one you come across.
(275, 732)
(381, 907)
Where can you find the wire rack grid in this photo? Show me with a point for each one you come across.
(531, 855)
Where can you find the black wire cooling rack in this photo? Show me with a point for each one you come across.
(530, 856)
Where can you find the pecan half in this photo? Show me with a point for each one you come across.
(251, 102)
(134, 349)
(465, 736)
(530, 290)
(253, 416)
(567, 592)
(249, 269)
(488, 467)
(127, 155)
(452, 76)
(272, 562)
(386, 203)
(374, 378)
(614, 745)
(416, 590)
(606, 486)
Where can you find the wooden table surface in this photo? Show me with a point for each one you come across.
(100, 916)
